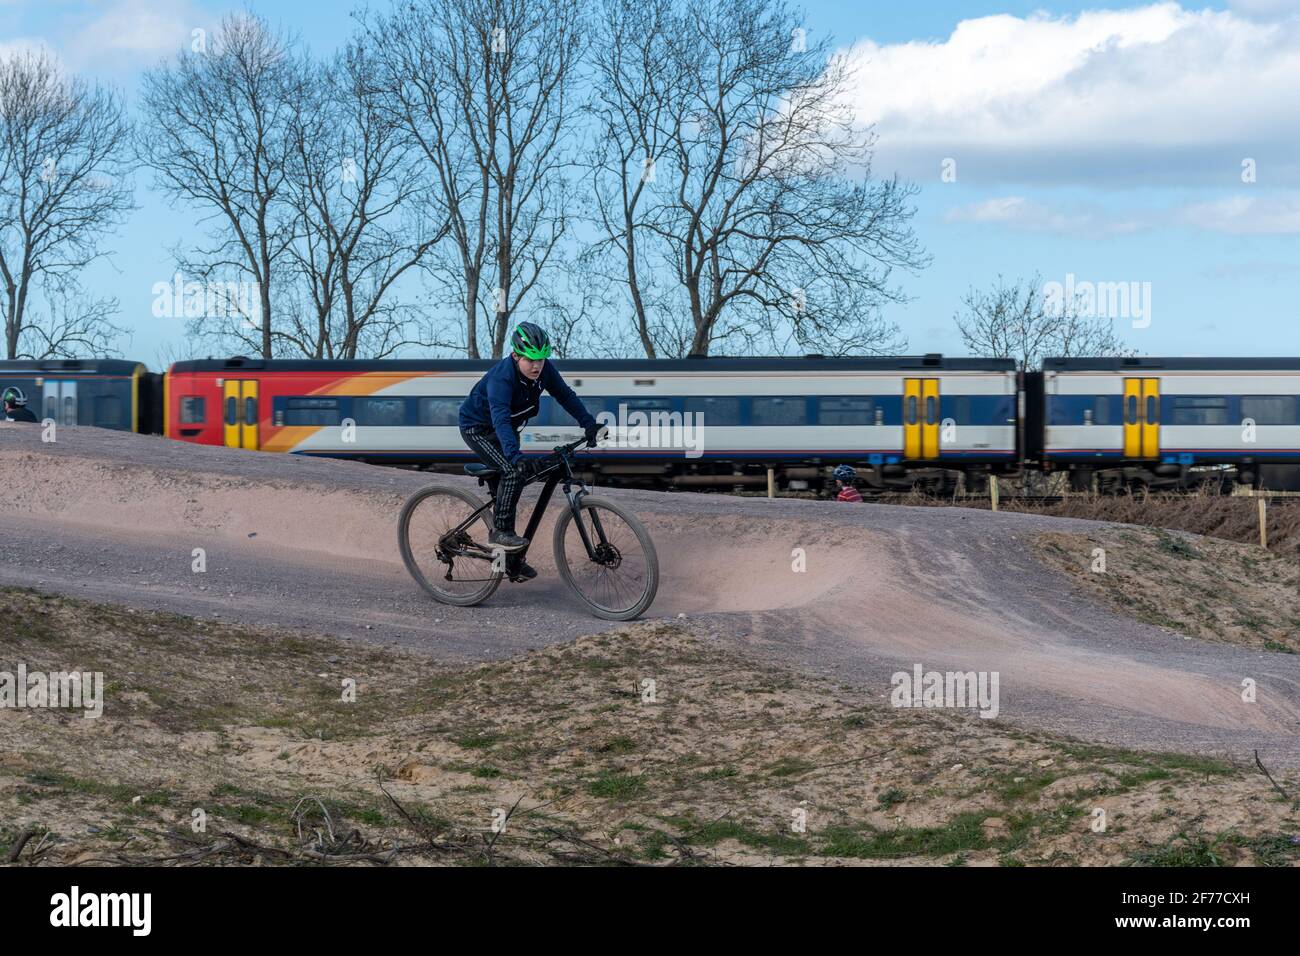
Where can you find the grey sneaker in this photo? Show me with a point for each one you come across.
(507, 541)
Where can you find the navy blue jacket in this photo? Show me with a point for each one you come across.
(505, 400)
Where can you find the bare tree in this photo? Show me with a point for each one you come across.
(216, 134)
(63, 185)
(483, 87)
(639, 88)
(761, 205)
(1018, 321)
(357, 193)
(71, 324)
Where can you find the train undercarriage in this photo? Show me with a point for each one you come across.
(893, 479)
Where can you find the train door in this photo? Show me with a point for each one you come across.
(239, 403)
(1141, 418)
(60, 400)
(920, 418)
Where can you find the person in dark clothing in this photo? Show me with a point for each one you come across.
(15, 405)
(491, 417)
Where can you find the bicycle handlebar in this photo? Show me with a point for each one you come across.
(570, 447)
(557, 454)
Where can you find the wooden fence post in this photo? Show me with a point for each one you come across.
(1263, 522)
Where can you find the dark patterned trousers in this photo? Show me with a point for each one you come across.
(483, 442)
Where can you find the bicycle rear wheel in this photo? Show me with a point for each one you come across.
(621, 582)
(440, 564)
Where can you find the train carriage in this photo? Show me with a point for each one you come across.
(684, 422)
(106, 393)
(1171, 422)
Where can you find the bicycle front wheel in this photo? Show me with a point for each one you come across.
(619, 579)
(443, 564)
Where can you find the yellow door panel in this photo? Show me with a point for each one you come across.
(930, 418)
(230, 412)
(911, 418)
(1151, 418)
(248, 415)
(1132, 418)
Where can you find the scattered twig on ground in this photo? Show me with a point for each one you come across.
(1264, 771)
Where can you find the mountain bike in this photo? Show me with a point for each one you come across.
(602, 551)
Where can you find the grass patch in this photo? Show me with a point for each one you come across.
(961, 833)
(617, 786)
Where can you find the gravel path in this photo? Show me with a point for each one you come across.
(310, 543)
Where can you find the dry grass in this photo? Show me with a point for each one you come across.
(1217, 516)
(1199, 586)
(248, 726)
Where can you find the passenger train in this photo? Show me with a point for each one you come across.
(904, 422)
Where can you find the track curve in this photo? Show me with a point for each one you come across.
(310, 543)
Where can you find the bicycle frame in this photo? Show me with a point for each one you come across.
(559, 473)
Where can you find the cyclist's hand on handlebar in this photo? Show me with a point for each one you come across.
(595, 432)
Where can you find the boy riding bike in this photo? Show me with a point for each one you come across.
(497, 408)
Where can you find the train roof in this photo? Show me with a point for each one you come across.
(83, 366)
(1175, 364)
(864, 363)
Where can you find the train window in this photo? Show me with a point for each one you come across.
(1132, 415)
(1270, 409)
(792, 410)
(931, 410)
(1100, 410)
(1198, 410)
(618, 406)
(1153, 410)
(250, 411)
(379, 411)
(911, 410)
(69, 409)
(845, 410)
(193, 411)
(645, 404)
(230, 410)
(310, 411)
(717, 410)
(440, 411)
(108, 411)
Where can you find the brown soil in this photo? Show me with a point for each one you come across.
(1232, 518)
(248, 726)
(1198, 586)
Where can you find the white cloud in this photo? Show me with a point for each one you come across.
(1265, 9)
(1276, 213)
(1246, 215)
(127, 32)
(1253, 270)
(1155, 94)
(1025, 215)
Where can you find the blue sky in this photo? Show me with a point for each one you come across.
(1100, 142)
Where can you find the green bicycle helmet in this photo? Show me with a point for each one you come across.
(531, 341)
(13, 395)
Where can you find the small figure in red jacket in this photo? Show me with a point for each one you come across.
(844, 476)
